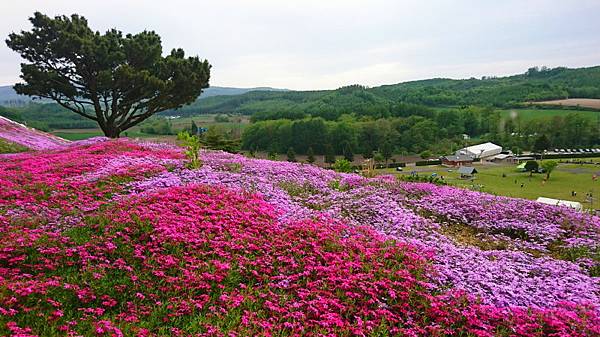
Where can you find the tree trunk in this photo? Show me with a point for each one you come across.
(112, 132)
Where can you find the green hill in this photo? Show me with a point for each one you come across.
(419, 98)
(387, 100)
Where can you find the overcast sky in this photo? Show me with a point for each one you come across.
(325, 44)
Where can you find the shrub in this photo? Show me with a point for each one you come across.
(425, 154)
(549, 166)
(222, 119)
(291, 155)
(342, 165)
(531, 166)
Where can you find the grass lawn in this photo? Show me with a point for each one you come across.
(77, 134)
(566, 178)
(235, 122)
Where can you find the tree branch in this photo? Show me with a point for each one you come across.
(69, 107)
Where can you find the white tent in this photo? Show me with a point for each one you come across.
(557, 202)
(481, 150)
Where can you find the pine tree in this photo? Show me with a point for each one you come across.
(78, 68)
(387, 150)
(291, 155)
(541, 143)
(329, 154)
(311, 155)
(348, 154)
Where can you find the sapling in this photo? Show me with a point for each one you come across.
(192, 145)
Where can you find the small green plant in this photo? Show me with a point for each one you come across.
(342, 165)
(337, 185)
(234, 167)
(192, 145)
(297, 190)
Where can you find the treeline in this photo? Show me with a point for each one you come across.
(431, 132)
(380, 102)
(439, 132)
(343, 105)
(572, 130)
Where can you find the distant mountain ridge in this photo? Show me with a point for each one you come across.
(230, 91)
(9, 97)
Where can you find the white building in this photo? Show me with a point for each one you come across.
(557, 202)
(481, 151)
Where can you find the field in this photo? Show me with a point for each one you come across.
(582, 102)
(529, 114)
(565, 179)
(209, 120)
(123, 238)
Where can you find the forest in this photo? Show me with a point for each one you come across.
(439, 134)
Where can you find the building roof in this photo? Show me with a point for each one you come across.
(483, 148)
(502, 156)
(557, 202)
(457, 157)
(467, 170)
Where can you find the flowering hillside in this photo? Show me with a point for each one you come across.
(20, 134)
(117, 238)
